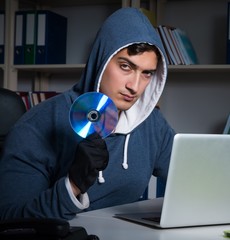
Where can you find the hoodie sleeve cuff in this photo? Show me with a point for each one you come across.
(82, 202)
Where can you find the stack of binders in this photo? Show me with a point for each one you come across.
(32, 98)
(178, 47)
(40, 37)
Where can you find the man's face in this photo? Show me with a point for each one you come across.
(126, 77)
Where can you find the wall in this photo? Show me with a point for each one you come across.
(197, 103)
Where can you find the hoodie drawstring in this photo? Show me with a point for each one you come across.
(100, 177)
(125, 160)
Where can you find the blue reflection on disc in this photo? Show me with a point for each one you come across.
(93, 112)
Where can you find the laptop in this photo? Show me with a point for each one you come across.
(197, 190)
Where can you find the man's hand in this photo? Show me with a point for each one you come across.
(91, 157)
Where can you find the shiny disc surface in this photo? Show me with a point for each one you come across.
(93, 112)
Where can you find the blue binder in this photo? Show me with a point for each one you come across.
(19, 38)
(51, 38)
(2, 36)
(30, 36)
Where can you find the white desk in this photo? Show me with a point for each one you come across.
(106, 227)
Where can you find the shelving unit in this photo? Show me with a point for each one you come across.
(165, 15)
(196, 98)
(51, 68)
(10, 71)
(205, 23)
(200, 68)
(79, 67)
(10, 76)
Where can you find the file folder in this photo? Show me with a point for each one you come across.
(19, 38)
(51, 38)
(2, 36)
(30, 37)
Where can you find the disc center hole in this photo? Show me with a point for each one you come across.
(93, 116)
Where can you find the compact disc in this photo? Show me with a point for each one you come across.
(93, 112)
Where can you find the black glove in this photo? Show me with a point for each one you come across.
(91, 157)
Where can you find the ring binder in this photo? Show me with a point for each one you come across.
(19, 38)
(30, 37)
(51, 38)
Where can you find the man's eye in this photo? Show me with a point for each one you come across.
(125, 67)
(148, 74)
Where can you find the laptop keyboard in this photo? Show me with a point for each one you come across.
(152, 219)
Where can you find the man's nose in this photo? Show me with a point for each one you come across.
(133, 83)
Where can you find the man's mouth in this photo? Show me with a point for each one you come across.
(128, 98)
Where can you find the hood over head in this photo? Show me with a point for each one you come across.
(125, 27)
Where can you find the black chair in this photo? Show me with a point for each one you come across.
(12, 108)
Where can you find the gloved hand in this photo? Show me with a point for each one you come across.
(91, 157)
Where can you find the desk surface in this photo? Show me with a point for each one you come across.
(106, 227)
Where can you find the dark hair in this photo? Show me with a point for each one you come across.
(138, 48)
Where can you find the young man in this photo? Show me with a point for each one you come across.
(47, 170)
